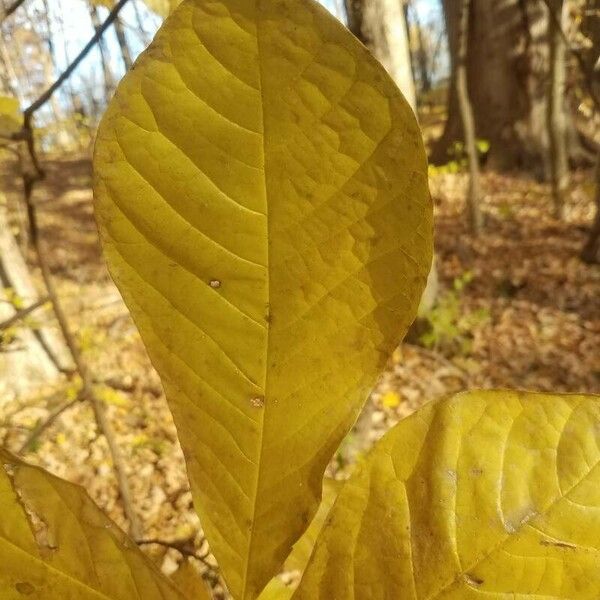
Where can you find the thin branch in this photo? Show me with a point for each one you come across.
(28, 112)
(30, 178)
(185, 547)
(42, 426)
(21, 314)
(4, 14)
(87, 390)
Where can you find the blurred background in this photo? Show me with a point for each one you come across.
(507, 93)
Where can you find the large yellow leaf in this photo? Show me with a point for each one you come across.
(483, 495)
(261, 190)
(298, 558)
(56, 544)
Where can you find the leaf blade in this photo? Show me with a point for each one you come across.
(271, 238)
(470, 496)
(56, 544)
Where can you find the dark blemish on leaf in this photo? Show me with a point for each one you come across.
(24, 587)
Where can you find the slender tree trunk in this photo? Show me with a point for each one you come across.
(466, 112)
(123, 44)
(144, 37)
(10, 74)
(421, 53)
(50, 72)
(591, 250)
(107, 74)
(39, 355)
(555, 109)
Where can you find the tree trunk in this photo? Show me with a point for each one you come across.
(507, 71)
(144, 36)
(381, 26)
(62, 136)
(466, 112)
(420, 52)
(109, 80)
(591, 250)
(555, 109)
(123, 43)
(38, 355)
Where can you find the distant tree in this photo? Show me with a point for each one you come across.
(123, 43)
(507, 71)
(419, 49)
(109, 80)
(466, 112)
(556, 113)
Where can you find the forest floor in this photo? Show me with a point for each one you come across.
(517, 308)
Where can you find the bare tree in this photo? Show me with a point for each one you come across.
(109, 80)
(555, 109)
(420, 51)
(507, 70)
(123, 44)
(144, 36)
(466, 112)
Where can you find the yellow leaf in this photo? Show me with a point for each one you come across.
(302, 549)
(190, 582)
(298, 558)
(276, 590)
(11, 119)
(56, 544)
(486, 494)
(390, 400)
(261, 190)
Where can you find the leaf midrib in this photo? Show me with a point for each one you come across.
(261, 439)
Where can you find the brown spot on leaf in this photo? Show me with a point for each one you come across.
(24, 588)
